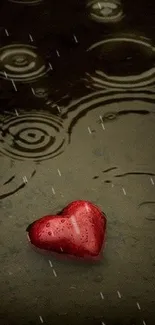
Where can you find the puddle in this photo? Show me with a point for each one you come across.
(77, 95)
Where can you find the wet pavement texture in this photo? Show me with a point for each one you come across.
(77, 116)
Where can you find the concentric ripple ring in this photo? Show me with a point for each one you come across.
(105, 11)
(123, 62)
(32, 136)
(21, 62)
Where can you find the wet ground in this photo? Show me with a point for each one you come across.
(77, 116)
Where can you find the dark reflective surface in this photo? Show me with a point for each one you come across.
(77, 116)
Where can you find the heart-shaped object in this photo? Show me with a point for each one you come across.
(79, 230)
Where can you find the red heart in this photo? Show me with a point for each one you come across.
(78, 230)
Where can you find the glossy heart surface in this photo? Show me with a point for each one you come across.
(78, 230)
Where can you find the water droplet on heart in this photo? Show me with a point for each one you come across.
(48, 225)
